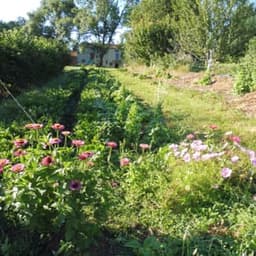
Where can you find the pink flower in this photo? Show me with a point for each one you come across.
(58, 127)
(187, 158)
(77, 143)
(226, 172)
(85, 155)
(54, 141)
(144, 146)
(234, 159)
(34, 126)
(19, 152)
(75, 185)
(20, 143)
(1, 170)
(124, 161)
(18, 168)
(253, 161)
(111, 144)
(190, 136)
(46, 161)
(4, 162)
(213, 126)
(235, 139)
(196, 156)
(65, 133)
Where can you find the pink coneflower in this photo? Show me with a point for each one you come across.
(54, 141)
(58, 127)
(144, 146)
(18, 168)
(46, 161)
(34, 126)
(20, 143)
(19, 152)
(4, 162)
(85, 155)
(75, 185)
(226, 172)
(77, 143)
(111, 144)
(65, 133)
(124, 161)
(190, 136)
(213, 126)
(235, 139)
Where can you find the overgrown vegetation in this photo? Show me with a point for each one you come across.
(120, 177)
(27, 60)
(246, 72)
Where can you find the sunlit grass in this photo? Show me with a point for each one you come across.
(189, 110)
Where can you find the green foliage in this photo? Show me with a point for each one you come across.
(53, 19)
(151, 36)
(164, 199)
(26, 60)
(206, 79)
(245, 80)
(194, 28)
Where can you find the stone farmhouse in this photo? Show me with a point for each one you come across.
(89, 55)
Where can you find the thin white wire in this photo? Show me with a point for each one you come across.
(17, 102)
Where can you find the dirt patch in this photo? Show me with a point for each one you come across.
(222, 85)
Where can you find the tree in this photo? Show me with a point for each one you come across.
(151, 34)
(207, 28)
(53, 19)
(98, 20)
(20, 22)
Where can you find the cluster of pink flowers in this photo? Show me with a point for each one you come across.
(34, 126)
(15, 168)
(195, 149)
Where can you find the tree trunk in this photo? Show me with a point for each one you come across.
(209, 60)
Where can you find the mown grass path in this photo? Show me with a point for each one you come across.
(188, 110)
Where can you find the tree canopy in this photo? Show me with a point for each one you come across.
(199, 28)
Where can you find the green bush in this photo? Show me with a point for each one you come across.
(246, 74)
(26, 59)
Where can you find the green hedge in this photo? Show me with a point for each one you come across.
(245, 80)
(26, 59)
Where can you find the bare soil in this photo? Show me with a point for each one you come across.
(222, 85)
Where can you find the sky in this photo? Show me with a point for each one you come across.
(12, 9)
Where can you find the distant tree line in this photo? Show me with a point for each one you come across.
(27, 60)
(201, 29)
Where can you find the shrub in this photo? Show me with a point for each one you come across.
(246, 74)
(26, 59)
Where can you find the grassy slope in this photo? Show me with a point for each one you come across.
(187, 110)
